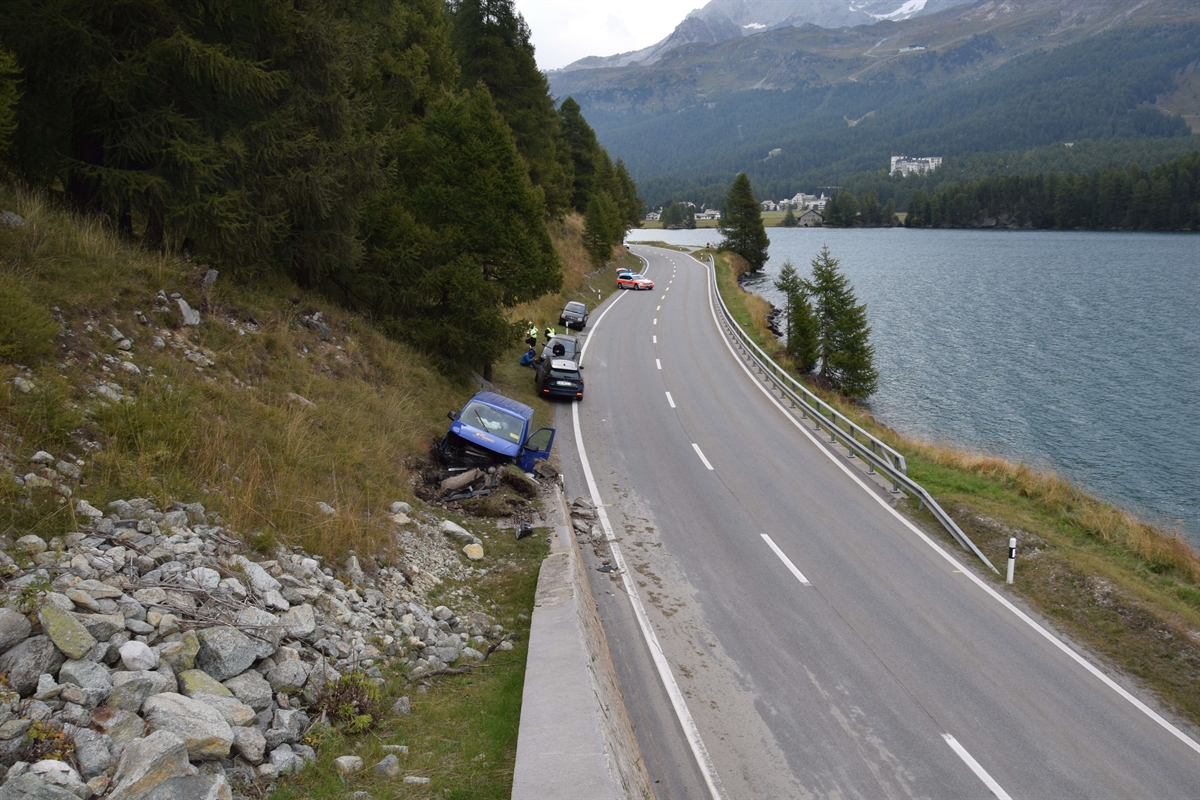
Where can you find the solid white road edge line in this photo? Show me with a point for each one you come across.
(690, 731)
(1078, 659)
(979, 771)
(786, 561)
(696, 447)
(670, 400)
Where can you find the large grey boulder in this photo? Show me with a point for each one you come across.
(252, 689)
(121, 726)
(193, 787)
(30, 787)
(197, 682)
(85, 674)
(131, 689)
(256, 575)
(67, 633)
(24, 663)
(137, 656)
(285, 760)
(263, 628)
(92, 752)
(288, 677)
(89, 676)
(300, 622)
(225, 652)
(201, 727)
(234, 711)
(147, 763)
(14, 628)
(250, 744)
(102, 626)
(60, 774)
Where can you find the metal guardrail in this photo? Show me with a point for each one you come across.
(842, 429)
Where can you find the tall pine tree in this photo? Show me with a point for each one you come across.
(799, 320)
(742, 224)
(493, 45)
(847, 359)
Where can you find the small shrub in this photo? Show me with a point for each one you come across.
(27, 330)
(351, 703)
(47, 740)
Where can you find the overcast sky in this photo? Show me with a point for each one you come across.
(568, 30)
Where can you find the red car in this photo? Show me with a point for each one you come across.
(634, 281)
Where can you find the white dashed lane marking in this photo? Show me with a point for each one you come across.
(786, 561)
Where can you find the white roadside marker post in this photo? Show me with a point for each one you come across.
(1012, 557)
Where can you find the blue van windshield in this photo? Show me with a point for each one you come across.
(501, 424)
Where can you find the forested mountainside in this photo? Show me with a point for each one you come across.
(403, 157)
(834, 103)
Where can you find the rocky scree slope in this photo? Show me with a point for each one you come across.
(143, 655)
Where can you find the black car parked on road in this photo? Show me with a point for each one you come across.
(558, 377)
(574, 315)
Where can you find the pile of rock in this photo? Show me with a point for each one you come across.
(178, 667)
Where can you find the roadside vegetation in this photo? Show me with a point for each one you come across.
(1125, 588)
(277, 400)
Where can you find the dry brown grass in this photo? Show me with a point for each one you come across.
(582, 280)
(226, 435)
(1160, 549)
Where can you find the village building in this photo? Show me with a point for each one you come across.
(802, 200)
(809, 219)
(915, 166)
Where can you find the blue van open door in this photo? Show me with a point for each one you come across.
(536, 446)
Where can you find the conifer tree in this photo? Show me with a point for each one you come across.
(789, 219)
(630, 204)
(584, 150)
(799, 321)
(742, 224)
(9, 95)
(461, 239)
(493, 45)
(597, 228)
(847, 359)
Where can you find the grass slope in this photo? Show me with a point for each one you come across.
(278, 400)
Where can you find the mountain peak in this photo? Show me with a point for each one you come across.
(729, 19)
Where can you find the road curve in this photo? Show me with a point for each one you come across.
(820, 645)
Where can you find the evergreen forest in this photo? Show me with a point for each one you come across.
(1166, 198)
(402, 157)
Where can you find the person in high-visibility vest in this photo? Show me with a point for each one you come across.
(531, 336)
(549, 333)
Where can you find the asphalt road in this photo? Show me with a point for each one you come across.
(887, 672)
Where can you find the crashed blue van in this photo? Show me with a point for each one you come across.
(492, 429)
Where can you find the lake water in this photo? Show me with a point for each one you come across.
(1078, 351)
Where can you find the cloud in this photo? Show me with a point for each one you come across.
(568, 30)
